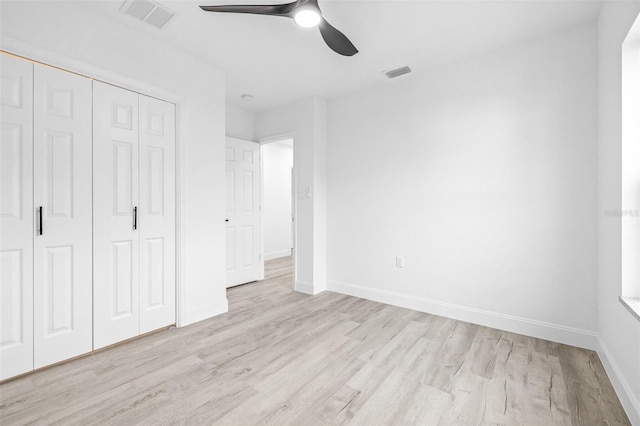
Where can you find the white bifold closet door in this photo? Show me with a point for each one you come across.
(115, 196)
(16, 217)
(156, 211)
(134, 214)
(45, 213)
(62, 199)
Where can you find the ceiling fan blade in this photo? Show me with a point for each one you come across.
(257, 9)
(337, 41)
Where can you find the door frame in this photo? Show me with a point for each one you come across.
(32, 53)
(294, 199)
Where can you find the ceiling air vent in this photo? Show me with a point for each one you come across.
(148, 11)
(397, 72)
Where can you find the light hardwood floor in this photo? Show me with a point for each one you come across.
(281, 357)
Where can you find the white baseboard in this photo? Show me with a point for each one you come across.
(542, 330)
(306, 288)
(220, 307)
(277, 254)
(319, 286)
(623, 389)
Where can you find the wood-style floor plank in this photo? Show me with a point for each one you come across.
(284, 358)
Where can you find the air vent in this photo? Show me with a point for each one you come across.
(148, 11)
(397, 72)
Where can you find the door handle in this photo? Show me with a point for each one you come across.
(135, 218)
(40, 230)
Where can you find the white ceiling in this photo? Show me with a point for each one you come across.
(278, 62)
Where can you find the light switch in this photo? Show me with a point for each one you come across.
(305, 193)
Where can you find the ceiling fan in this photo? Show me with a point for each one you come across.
(305, 13)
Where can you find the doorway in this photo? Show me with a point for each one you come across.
(278, 205)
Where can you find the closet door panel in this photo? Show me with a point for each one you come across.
(157, 214)
(116, 214)
(62, 187)
(16, 216)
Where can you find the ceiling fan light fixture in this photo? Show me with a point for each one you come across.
(307, 17)
(305, 13)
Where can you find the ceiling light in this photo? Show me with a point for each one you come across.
(307, 17)
(247, 97)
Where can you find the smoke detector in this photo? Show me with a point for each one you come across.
(148, 11)
(397, 72)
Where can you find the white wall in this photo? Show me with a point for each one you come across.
(305, 122)
(239, 123)
(619, 331)
(277, 160)
(482, 174)
(71, 36)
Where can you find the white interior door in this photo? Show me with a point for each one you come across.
(242, 211)
(16, 217)
(157, 214)
(62, 198)
(115, 207)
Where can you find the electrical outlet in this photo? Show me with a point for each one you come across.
(399, 262)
